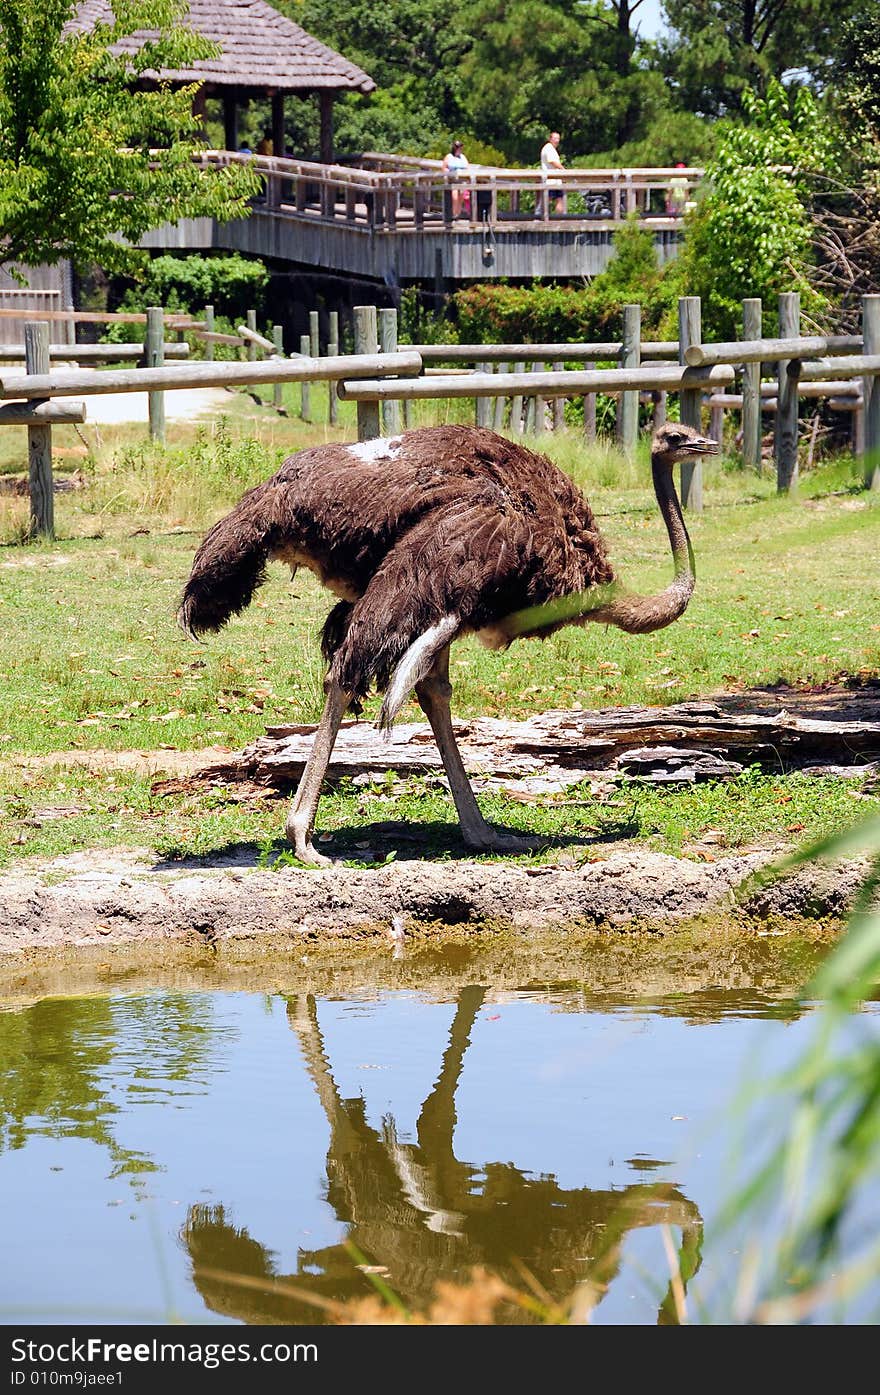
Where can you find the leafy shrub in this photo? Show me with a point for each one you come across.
(557, 313)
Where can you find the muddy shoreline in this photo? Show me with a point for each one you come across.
(129, 900)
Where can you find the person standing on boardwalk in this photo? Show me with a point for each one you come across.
(551, 162)
(455, 163)
(677, 193)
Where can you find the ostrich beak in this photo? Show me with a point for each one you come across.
(699, 445)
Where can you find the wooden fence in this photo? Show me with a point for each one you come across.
(522, 395)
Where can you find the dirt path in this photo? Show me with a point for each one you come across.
(181, 404)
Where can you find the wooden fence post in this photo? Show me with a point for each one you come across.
(751, 389)
(690, 331)
(305, 398)
(333, 350)
(589, 416)
(154, 353)
(558, 413)
(278, 394)
(530, 413)
(871, 391)
(500, 402)
(540, 402)
(314, 334)
(36, 355)
(251, 321)
(628, 402)
(209, 329)
(388, 345)
(483, 405)
(658, 410)
(516, 405)
(366, 341)
(785, 440)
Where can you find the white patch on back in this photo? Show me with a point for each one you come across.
(382, 448)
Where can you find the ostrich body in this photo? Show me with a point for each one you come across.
(440, 532)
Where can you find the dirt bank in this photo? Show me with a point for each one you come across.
(130, 899)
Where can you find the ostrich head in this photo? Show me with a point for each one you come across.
(674, 442)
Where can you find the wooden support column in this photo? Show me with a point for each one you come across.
(751, 389)
(42, 487)
(366, 341)
(785, 442)
(325, 100)
(230, 120)
(871, 392)
(278, 140)
(690, 332)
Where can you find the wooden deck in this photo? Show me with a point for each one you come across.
(391, 218)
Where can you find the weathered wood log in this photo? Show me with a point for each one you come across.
(73, 381)
(566, 383)
(251, 336)
(771, 350)
(42, 413)
(93, 353)
(689, 741)
(550, 353)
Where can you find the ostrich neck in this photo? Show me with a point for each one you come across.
(612, 605)
(642, 614)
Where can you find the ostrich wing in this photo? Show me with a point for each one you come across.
(460, 567)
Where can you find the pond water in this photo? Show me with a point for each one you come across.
(159, 1147)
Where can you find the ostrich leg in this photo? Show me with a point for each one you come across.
(433, 693)
(301, 815)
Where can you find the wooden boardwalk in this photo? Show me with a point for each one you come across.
(390, 218)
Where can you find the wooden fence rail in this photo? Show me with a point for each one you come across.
(378, 378)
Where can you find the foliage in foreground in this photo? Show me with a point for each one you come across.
(819, 1122)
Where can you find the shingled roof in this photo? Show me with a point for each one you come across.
(260, 48)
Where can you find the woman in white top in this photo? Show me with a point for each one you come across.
(455, 162)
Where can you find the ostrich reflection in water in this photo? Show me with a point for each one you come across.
(418, 1211)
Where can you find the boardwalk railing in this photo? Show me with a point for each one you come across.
(395, 193)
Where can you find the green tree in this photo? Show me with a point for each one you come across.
(89, 162)
(752, 234)
(565, 65)
(718, 49)
(413, 50)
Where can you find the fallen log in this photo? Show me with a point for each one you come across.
(686, 742)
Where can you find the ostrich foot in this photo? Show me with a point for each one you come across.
(301, 838)
(493, 840)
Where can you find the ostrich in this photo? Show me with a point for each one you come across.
(443, 531)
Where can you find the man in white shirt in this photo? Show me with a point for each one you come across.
(550, 162)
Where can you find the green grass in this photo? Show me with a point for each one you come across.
(51, 811)
(788, 591)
